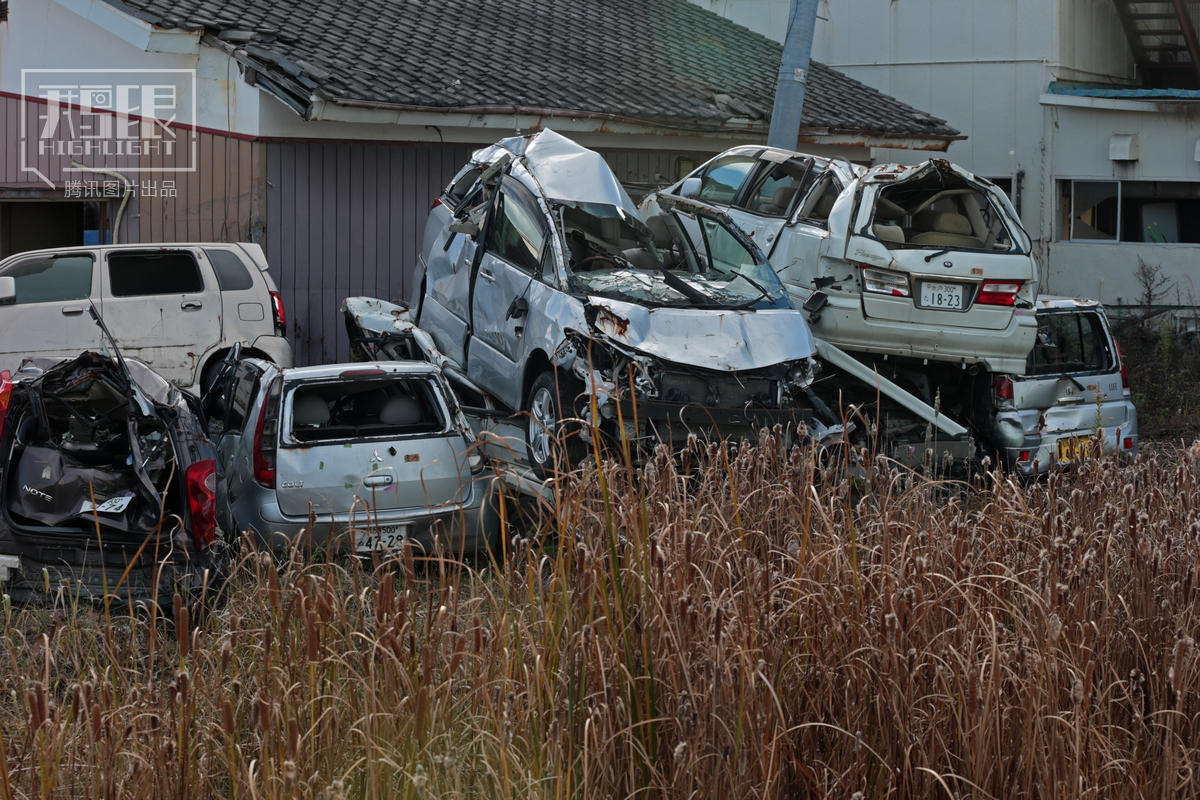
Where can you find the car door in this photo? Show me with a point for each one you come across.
(807, 252)
(774, 192)
(445, 309)
(48, 317)
(162, 308)
(515, 237)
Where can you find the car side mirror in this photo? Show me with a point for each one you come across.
(690, 187)
(8, 290)
(464, 226)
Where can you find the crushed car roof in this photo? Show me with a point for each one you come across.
(563, 169)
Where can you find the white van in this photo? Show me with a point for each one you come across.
(177, 307)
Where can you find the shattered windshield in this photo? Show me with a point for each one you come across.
(940, 210)
(671, 259)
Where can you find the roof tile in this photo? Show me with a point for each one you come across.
(660, 61)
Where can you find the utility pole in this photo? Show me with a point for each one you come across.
(793, 75)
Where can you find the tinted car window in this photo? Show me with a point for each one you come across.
(136, 274)
(47, 279)
(1069, 342)
(517, 232)
(722, 179)
(232, 275)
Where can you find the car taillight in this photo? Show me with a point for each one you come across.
(265, 437)
(1002, 387)
(998, 293)
(201, 480)
(5, 396)
(279, 313)
(437, 201)
(1124, 369)
(882, 281)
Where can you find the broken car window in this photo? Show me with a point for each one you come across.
(517, 232)
(670, 259)
(137, 274)
(937, 209)
(347, 410)
(1068, 343)
(47, 279)
(459, 189)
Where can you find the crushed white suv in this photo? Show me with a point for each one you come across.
(927, 261)
(177, 307)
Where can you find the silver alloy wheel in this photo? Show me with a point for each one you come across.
(542, 421)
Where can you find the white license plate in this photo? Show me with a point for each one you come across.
(942, 295)
(390, 537)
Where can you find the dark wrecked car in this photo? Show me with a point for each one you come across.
(543, 285)
(107, 486)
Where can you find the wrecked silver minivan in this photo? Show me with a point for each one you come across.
(1071, 401)
(544, 286)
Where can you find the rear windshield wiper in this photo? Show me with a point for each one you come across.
(935, 254)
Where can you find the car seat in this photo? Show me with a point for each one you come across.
(401, 410)
(944, 229)
(309, 411)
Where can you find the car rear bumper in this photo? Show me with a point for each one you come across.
(470, 527)
(1038, 453)
(843, 323)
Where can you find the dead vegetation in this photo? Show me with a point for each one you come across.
(730, 624)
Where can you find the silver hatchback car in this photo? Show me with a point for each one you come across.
(1073, 393)
(360, 457)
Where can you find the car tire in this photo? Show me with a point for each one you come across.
(551, 444)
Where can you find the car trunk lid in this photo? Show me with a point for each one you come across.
(950, 243)
(357, 443)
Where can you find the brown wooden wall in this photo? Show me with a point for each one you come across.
(346, 219)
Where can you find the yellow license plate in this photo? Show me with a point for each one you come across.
(1074, 448)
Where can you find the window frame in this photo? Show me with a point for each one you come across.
(739, 191)
(33, 257)
(494, 217)
(753, 185)
(210, 252)
(111, 293)
(1071, 218)
(1096, 323)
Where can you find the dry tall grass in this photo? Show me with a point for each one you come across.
(741, 630)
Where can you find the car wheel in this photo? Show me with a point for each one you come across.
(550, 441)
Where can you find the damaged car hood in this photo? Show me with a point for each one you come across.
(723, 340)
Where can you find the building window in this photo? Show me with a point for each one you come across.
(1144, 212)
